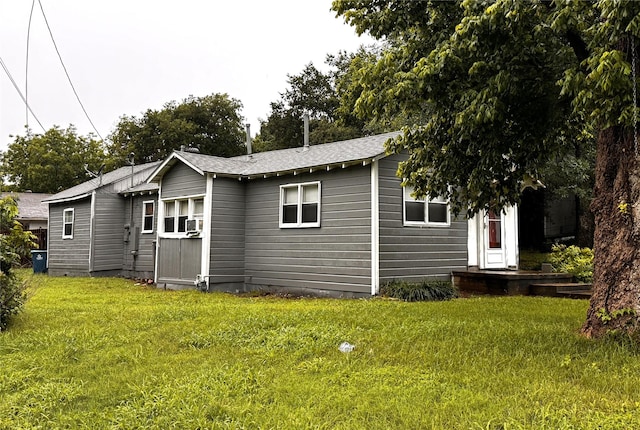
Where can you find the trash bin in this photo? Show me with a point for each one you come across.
(39, 260)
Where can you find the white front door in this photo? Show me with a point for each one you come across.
(494, 240)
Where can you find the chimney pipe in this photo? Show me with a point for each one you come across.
(305, 119)
(248, 131)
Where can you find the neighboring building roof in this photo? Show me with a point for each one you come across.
(30, 205)
(121, 179)
(282, 161)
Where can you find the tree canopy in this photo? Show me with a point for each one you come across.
(212, 124)
(314, 93)
(506, 86)
(486, 77)
(50, 162)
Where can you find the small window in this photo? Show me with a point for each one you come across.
(169, 217)
(67, 223)
(495, 229)
(148, 213)
(198, 212)
(300, 205)
(425, 212)
(183, 215)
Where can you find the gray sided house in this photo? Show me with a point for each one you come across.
(329, 219)
(325, 219)
(97, 228)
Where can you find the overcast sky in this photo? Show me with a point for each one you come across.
(126, 56)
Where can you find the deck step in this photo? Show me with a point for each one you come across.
(570, 290)
(504, 282)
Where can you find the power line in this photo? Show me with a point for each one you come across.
(67, 73)
(26, 67)
(6, 70)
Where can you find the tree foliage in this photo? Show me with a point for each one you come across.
(314, 93)
(487, 81)
(212, 124)
(14, 244)
(50, 162)
(507, 85)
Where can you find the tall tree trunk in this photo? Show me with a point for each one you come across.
(584, 223)
(615, 303)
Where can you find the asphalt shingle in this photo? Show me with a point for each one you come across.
(292, 159)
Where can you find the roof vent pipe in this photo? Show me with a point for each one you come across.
(305, 119)
(248, 130)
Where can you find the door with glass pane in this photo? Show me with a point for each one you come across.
(495, 255)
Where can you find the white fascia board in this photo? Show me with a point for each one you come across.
(375, 229)
(69, 199)
(206, 229)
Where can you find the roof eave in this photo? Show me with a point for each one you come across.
(316, 168)
(68, 199)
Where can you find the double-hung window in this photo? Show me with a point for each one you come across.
(170, 217)
(148, 213)
(198, 212)
(420, 211)
(300, 205)
(182, 215)
(67, 223)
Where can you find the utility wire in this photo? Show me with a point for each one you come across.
(26, 68)
(6, 70)
(67, 73)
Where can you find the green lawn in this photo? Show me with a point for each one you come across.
(105, 353)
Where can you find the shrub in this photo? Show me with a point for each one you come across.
(427, 290)
(573, 260)
(14, 243)
(12, 297)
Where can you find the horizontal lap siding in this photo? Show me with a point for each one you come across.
(227, 233)
(108, 237)
(182, 181)
(335, 257)
(69, 256)
(414, 253)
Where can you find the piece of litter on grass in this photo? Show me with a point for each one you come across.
(346, 347)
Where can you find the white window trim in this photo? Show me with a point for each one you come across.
(64, 223)
(299, 223)
(144, 215)
(190, 215)
(406, 197)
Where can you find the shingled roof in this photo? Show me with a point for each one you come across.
(30, 205)
(283, 161)
(119, 180)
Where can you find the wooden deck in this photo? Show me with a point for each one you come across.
(519, 282)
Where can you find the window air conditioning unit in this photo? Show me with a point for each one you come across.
(192, 226)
